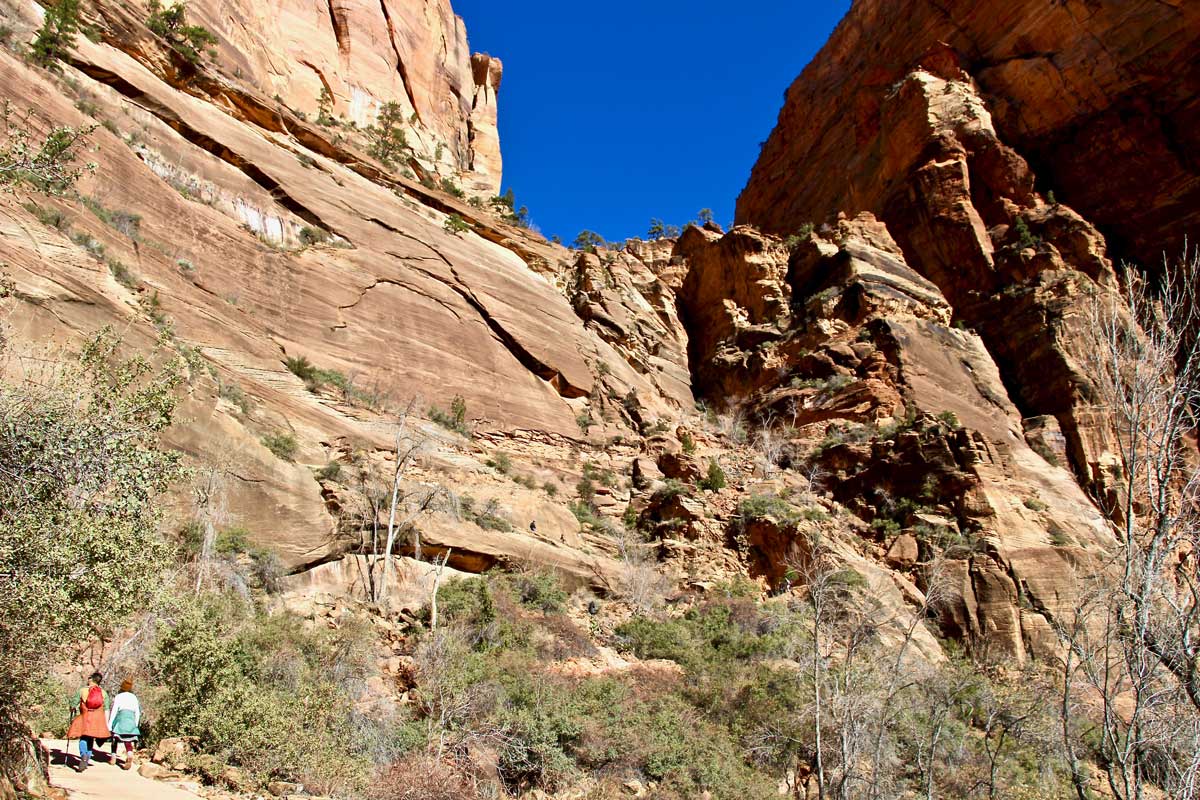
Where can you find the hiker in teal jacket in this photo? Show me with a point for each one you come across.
(124, 716)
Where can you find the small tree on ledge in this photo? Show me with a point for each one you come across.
(171, 24)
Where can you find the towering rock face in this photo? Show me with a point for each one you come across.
(1102, 98)
(365, 53)
(484, 138)
(844, 340)
(1015, 264)
(251, 237)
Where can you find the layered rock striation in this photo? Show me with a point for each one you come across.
(1102, 99)
(843, 341)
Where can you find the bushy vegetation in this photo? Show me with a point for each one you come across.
(270, 695)
(506, 206)
(318, 378)
(456, 225)
(57, 34)
(588, 241)
(387, 141)
(79, 509)
(714, 479)
(453, 420)
(170, 23)
(282, 444)
(325, 107)
(741, 711)
(47, 164)
(486, 516)
(124, 222)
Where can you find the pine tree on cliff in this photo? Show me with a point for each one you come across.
(57, 34)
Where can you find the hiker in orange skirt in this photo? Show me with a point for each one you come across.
(92, 722)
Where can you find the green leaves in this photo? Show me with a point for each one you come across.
(49, 165)
(81, 471)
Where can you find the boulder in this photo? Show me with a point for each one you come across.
(903, 552)
(173, 752)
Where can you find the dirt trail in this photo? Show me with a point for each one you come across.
(106, 781)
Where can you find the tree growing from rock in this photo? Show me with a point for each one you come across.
(171, 24)
(588, 241)
(57, 34)
(387, 140)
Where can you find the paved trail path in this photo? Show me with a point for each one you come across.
(105, 781)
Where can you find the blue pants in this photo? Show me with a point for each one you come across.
(86, 743)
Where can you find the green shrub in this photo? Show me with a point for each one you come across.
(585, 488)
(325, 107)
(85, 477)
(456, 224)
(487, 517)
(125, 222)
(760, 506)
(232, 541)
(1034, 504)
(47, 165)
(386, 138)
(714, 480)
(550, 488)
(93, 246)
(673, 488)
(57, 34)
(234, 394)
(588, 241)
(1025, 237)
(50, 217)
(539, 590)
(282, 444)
(237, 679)
(949, 419)
(452, 188)
(310, 236)
(85, 106)
(501, 463)
(330, 472)
(456, 419)
(586, 514)
(171, 25)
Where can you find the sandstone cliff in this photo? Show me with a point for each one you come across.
(905, 378)
(1101, 98)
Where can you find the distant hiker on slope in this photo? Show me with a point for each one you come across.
(123, 719)
(91, 723)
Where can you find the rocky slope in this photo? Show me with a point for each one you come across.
(906, 379)
(251, 236)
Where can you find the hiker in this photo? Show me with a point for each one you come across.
(123, 719)
(91, 723)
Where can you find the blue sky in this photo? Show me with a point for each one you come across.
(612, 113)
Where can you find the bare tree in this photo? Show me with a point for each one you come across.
(209, 512)
(439, 566)
(405, 508)
(1134, 638)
